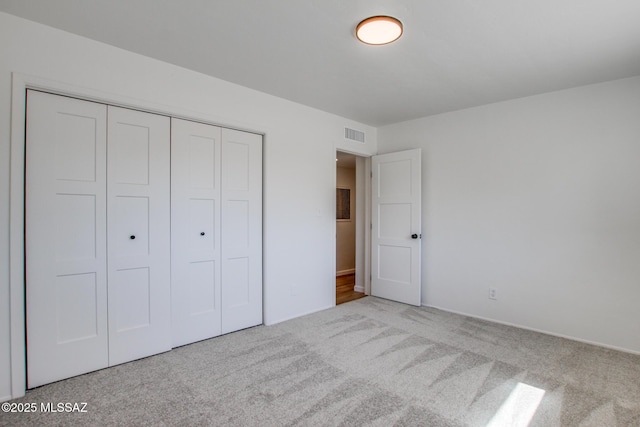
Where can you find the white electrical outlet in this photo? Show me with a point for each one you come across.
(493, 293)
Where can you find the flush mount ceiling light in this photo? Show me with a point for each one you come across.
(379, 30)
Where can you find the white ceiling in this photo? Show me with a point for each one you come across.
(453, 54)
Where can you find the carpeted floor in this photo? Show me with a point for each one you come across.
(367, 362)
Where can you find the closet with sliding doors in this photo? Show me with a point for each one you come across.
(142, 233)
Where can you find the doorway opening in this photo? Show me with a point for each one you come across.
(352, 253)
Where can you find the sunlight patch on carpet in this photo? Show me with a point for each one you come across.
(519, 408)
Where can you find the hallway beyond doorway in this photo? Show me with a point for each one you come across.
(344, 289)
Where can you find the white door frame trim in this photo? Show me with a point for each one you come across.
(19, 84)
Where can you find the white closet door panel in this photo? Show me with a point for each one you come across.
(195, 231)
(138, 203)
(133, 284)
(242, 230)
(132, 222)
(203, 227)
(237, 288)
(65, 239)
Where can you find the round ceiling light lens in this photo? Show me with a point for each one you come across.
(379, 30)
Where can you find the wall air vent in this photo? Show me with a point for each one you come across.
(354, 135)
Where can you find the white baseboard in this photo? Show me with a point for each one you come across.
(345, 272)
(541, 331)
(359, 289)
(273, 322)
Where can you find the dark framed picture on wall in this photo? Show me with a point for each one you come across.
(343, 204)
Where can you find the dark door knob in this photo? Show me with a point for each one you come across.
(202, 233)
(414, 236)
(132, 237)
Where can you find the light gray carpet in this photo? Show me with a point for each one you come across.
(367, 362)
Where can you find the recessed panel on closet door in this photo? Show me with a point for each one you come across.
(66, 274)
(195, 231)
(138, 203)
(242, 230)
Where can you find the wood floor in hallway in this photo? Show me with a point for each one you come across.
(344, 289)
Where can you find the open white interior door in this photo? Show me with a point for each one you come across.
(396, 226)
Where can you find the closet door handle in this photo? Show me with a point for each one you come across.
(414, 236)
(132, 237)
(202, 233)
